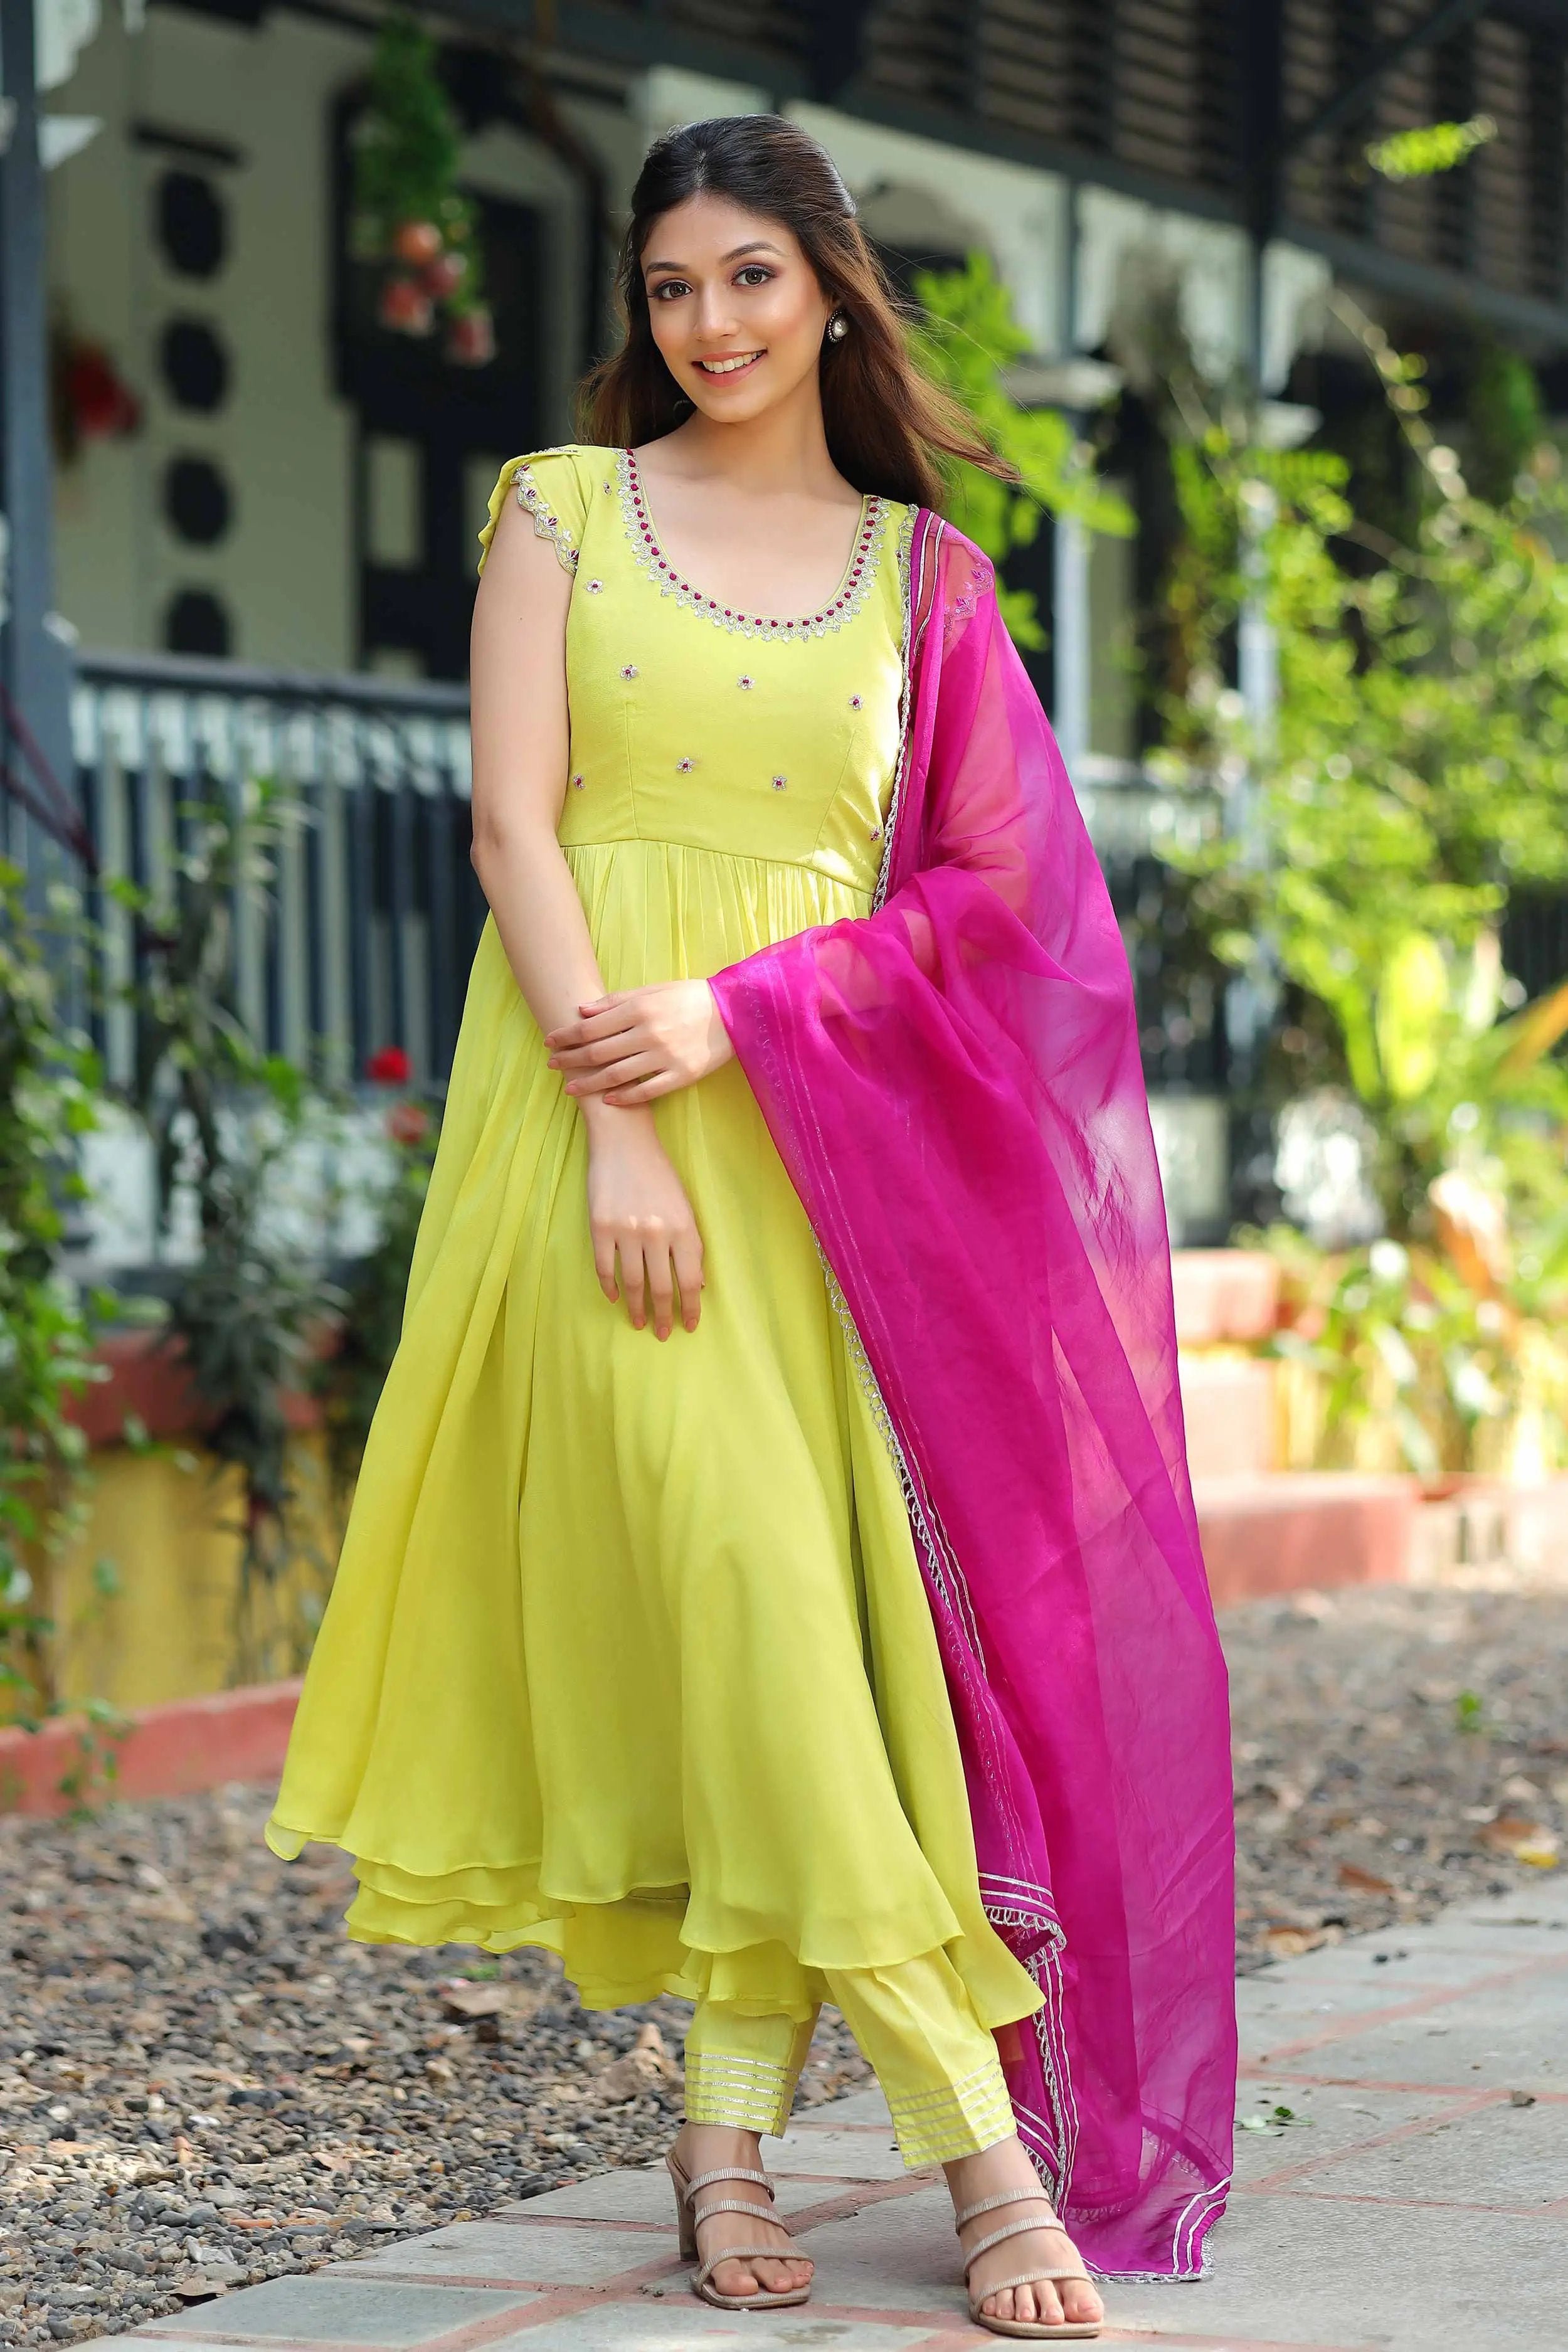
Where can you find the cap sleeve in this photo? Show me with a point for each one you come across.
(546, 485)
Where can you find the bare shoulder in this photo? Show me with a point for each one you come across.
(518, 639)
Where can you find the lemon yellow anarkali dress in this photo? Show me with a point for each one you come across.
(628, 1654)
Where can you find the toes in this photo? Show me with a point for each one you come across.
(1081, 2302)
(781, 2277)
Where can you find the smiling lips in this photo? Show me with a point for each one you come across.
(729, 366)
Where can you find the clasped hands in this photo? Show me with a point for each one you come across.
(637, 1044)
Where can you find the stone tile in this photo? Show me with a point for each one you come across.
(868, 2106)
(1319, 2272)
(643, 2194)
(692, 2326)
(1497, 2156)
(846, 2156)
(1308, 2010)
(1337, 2117)
(335, 2307)
(1345, 1974)
(520, 2253)
(900, 2254)
(1513, 2036)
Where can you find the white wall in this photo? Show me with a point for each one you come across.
(283, 438)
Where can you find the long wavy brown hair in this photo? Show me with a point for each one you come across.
(891, 430)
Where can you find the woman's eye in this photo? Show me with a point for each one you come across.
(671, 286)
(753, 274)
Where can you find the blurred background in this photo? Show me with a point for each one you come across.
(1268, 302)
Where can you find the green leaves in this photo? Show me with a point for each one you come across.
(1412, 1006)
(49, 1090)
(1432, 148)
(968, 337)
(223, 1114)
(1414, 773)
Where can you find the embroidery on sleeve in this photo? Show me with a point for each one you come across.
(546, 522)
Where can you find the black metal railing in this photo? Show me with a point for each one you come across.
(375, 911)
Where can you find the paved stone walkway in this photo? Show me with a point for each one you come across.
(1418, 2201)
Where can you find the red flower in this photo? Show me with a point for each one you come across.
(389, 1068)
(471, 337)
(408, 1123)
(446, 274)
(417, 241)
(405, 307)
(103, 406)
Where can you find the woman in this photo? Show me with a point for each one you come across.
(852, 1643)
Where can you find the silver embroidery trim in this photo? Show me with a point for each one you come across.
(1052, 2141)
(908, 599)
(547, 523)
(748, 2094)
(938, 2127)
(651, 558)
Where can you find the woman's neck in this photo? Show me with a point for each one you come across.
(783, 449)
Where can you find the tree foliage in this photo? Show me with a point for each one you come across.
(49, 1090)
(969, 339)
(222, 1114)
(1416, 771)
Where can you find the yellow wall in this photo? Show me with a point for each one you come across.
(175, 1626)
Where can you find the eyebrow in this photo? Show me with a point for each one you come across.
(757, 245)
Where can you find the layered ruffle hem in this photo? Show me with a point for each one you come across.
(628, 1654)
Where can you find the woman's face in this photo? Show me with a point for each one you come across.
(735, 307)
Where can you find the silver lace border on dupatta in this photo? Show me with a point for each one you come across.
(1051, 2140)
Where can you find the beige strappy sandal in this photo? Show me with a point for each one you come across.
(687, 2217)
(1041, 2331)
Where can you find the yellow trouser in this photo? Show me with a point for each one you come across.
(915, 2023)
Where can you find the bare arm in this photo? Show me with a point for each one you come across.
(637, 1207)
(518, 668)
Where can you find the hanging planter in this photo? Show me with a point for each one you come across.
(410, 221)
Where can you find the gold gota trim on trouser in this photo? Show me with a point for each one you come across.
(747, 2093)
(938, 2127)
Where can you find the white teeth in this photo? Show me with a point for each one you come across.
(727, 367)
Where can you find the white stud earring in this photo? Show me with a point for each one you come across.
(837, 326)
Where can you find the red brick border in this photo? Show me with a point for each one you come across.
(167, 1751)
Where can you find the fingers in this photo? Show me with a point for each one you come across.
(601, 1019)
(590, 1048)
(625, 1071)
(625, 1097)
(653, 1267)
(687, 1255)
(660, 1286)
(633, 1281)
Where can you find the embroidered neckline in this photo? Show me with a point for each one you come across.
(852, 590)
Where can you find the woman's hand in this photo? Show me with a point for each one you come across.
(629, 1047)
(638, 1212)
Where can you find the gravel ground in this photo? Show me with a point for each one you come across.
(1395, 1750)
(202, 2084)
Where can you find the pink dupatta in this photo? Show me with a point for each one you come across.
(953, 1084)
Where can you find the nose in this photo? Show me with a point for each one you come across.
(715, 315)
